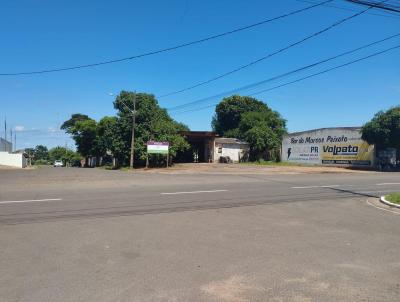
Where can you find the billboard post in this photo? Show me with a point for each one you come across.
(154, 147)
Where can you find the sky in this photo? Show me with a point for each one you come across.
(51, 34)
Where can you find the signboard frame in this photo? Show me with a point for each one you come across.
(155, 147)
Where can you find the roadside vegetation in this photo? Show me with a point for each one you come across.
(40, 155)
(273, 163)
(253, 121)
(109, 140)
(394, 197)
(383, 131)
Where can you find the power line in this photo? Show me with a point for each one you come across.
(379, 5)
(350, 9)
(337, 23)
(289, 72)
(298, 80)
(169, 48)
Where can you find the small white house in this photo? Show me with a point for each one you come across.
(9, 159)
(233, 148)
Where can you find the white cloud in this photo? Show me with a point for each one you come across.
(19, 128)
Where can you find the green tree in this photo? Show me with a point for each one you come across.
(152, 123)
(263, 131)
(228, 113)
(85, 133)
(41, 153)
(384, 129)
(68, 156)
(253, 121)
(111, 138)
(69, 124)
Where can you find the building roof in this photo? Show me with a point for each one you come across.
(229, 140)
(328, 128)
(198, 134)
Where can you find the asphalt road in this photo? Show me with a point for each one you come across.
(96, 235)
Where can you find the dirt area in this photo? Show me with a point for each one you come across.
(213, 168)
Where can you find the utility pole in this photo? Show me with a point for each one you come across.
(133, 132)
(11, 139)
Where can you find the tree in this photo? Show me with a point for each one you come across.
(41, 153)
(152, 123)
(84, 131)
(253, 121)
(229, 111)
(68, 156)
(384, 129)
(111, 138)
(69, 124)
(113, 134)
(263, 131)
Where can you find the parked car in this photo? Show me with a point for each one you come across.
(58, 163)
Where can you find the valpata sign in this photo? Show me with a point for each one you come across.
(334, 146)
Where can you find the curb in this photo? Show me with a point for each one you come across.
(383, 200)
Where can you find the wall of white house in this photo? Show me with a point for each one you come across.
(12, 160)
(234, 151)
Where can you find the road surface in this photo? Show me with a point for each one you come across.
(96, 235)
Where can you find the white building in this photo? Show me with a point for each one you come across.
(328, 146)
(233, 148)
(7, 158)
(5, 146)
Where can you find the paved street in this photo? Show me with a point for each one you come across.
(71, 234)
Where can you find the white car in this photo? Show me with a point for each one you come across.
(58, 163)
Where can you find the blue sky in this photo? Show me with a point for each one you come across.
(47, 34)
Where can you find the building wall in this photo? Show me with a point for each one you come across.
(328, 146)
(234, 151)
(13, 160)
(5, 146)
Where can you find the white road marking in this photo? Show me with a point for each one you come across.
(310, 187)
(388, 184)
(398, 213)
(29, 200)
(194, 192)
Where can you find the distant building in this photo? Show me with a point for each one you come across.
(206, 146)
(5, 146)
(328, 146)
(7, 158)
(233, 148)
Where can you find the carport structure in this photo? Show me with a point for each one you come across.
(202, 145)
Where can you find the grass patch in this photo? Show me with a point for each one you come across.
(394, 197)
(273, 163)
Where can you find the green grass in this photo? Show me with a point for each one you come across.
(273, 163)
(394, 197)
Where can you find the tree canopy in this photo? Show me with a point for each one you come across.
(384, 129)
(253, 121)
(228, 113)
(113, 133)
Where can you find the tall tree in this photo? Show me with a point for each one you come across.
(263, 131)
(77, 117)
(111, 138)
(84, 131)
(228, 113)
(253, 121)
(152, 123)
(384, 129)
(41, 153)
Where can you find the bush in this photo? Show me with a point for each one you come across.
(40, 162)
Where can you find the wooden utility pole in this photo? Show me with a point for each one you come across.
(133, 132)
